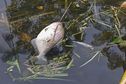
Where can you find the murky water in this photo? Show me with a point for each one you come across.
(96, 72)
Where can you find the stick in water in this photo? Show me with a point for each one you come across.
(65, 12)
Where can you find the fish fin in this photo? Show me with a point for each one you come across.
(41, 60)
(34, 44)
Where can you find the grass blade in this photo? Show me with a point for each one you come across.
(90, 59)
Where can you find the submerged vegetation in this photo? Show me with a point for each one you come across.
(27, 18)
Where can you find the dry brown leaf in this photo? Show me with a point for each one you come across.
(40, 7)
(25, 37)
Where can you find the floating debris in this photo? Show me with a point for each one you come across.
(40, 7)
(84, 44)
(25, 37)
(91, 59)
(123, 79)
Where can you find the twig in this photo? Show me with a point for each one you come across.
(32, 17)
(90, 59)
(65, 11)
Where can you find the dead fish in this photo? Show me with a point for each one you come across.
(47, 39)
(123, 5)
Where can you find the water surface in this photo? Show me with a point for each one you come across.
(96, 72)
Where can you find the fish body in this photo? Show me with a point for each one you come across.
(47, 39)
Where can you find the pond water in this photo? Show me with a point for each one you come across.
(100, 70)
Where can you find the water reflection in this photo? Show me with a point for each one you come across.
(115, 56)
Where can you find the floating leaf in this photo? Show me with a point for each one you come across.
(25, 37)
(40, 7)
(117, 40)
(123, 79)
